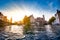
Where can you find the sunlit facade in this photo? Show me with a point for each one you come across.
(3, 18)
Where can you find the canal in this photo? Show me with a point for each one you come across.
(15, 29)
(16, 32)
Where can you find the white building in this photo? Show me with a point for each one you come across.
(57, 16)
(32, 19)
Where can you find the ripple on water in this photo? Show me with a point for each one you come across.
(49, 31)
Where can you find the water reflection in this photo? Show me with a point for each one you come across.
(49, 31)
(43, 35)
(14, 29)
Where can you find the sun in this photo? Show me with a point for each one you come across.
(17, 13)
(17, 17)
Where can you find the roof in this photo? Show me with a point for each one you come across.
(1, 14)
(58, 11)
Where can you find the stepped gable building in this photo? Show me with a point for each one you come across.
(38, 19)
(32, 19)
(57, 16)
(36, 23)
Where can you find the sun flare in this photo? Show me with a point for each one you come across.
(17, 17)
(17, 13)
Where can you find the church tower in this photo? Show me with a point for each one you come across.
(43, 17)
(11, 20)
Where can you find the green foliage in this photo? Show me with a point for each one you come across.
(26, 28)
(26, 20)
(51, 20)
(2, 23)
(27, 23)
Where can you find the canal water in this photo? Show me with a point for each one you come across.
(49, 31)
(19, 29)
(15, 31)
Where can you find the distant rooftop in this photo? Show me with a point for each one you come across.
(58, 11)
(1, 14)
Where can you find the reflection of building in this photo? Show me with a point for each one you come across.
(57, 16)
(2, 17)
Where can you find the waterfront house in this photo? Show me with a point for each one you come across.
(57, 16)
(3, 18)
(32, 19)
(36, 22)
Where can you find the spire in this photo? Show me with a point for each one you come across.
(43, 17)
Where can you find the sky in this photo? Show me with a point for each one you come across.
(17, 9)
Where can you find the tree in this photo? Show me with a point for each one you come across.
(51, 20)
(2, 25)
(26, 22)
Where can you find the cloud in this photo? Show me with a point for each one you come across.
(18, 13)
(50, 4)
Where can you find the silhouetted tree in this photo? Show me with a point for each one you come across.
(51, 20)
(26, 22)
(2, 25)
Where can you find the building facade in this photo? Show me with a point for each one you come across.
(57, 16)
(37, 20)
(36, 23)
(3, 18)
(40, 21)
(32, 19)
